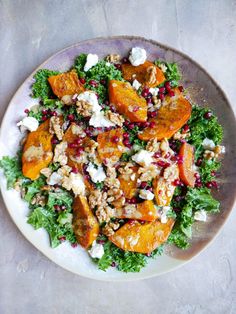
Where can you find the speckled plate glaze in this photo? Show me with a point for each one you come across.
(204, 91)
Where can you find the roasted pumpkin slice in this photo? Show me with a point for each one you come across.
(170, 118)
(163, 189)
(37, 151)
(127, 101)
(65, 84)
(186, 171)
(110, 145)
(128, 183)
(147, 74)
(142, 238)
(142, 211)
(85, 225)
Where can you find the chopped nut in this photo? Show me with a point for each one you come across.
(164, 146)
(163, 67)
(148, 173)
(157, 102)
(116, 118)
(60, 153)
(46, 172)
(55, 127)
(113, 58)
(151, 73)
(109, 228)
(64, 171)
(171, 173)
(38, 199)
(77, 130)
(83, 108)
(126, 171)
(67, 99)
(153, 146)
(181, 136)
(208, 154)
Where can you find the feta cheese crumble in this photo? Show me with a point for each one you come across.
(200, 215)
(77, 183)
(55, 178)
(28, 123)
(96, 250)
(90, 98)
(154, 91)
(92, 60)
(98, 120)
(96, 174)
(136, 84)
(208, 144)
(146, 195)
(137, 56)
(143, 158)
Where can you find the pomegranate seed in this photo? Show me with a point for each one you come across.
(161, 163)
(126, 135)
(157, 155)
(126, 142)
(146, 124)
(181, 89)
(113, 264)
(145, 93)
(74, 245)
(199, 162)
(63, 207)
(26, 111)
(72, 145)
(167, 155)
(106, 102)
(93, 83)
(71, 117)
(186, 128)
(142, 222)
(53, 113)
(54, 141)
(152, 114)
(103, 82)
(171, 93)
(74, 170)
(198, 184)
(105, 188)
(118, 66)
(133, 200)
(80, 150)
(139, 124)
(213, 173)
(176, 182)
(180, 160)
(209, 185)
(115, 139)
(44, 112)
(197, 175)
(173, 158)
(126, 123)
(131, 126)
(207, 115)
(148, 254)
(214, 184)
(78, 141)
(57, 207)
(62, 239)
(152, 124)
(167, 86)
(178, 198)
(161, 96)
(177, 209)
(82, 80)
(143, 185)
(131, 221)
(135, 108)
(100, 241)
(149, 188)
(162, 90)
(125, 60)
(44, 118)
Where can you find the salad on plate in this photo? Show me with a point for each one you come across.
(116, 158)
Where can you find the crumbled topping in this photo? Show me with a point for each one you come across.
(113, 58)
(55, 127)
(127, 171)
(77, 130)
(163, 67)
(115, 197)
(60, 153)
(46, 172)
(67, 99)
(84, 108)
(153, 145)
(148, 173)
(151, 74)
(38, 199)
(171, 173)
(115, 118)
(181, 136)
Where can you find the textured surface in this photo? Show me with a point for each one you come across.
(204, 30)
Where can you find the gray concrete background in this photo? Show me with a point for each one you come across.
(30, 31)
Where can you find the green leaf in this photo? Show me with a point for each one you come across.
(172, 73)
(33, 187)
(12, 169)
(41, 88)
(60, 197)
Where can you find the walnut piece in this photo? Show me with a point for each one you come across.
(83, 108)
(60, 154)
(113, 58)
(116, 118)
(38, 199)
(55, 127)
(151, 74)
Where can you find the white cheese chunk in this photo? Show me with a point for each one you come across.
(77, 183)
(55, 178)
(208, 144)
(91, 61)
(146, 195)
(137, 56)
(91, 98)
(143, 158)
(96, 250)
(200, 215)
(136, 84)
(154, 91)
(98, 120)
(28, 123)
(96, 174)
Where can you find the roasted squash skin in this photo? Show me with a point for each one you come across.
(186, 168)
(37, 151)
(127, 101)
(85, 224)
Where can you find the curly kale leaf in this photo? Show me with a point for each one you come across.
(41, 88)
(12, 169)
(172, 73)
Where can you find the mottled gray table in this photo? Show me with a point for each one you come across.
(32, 30)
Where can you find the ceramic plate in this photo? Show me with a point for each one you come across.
(203, 90)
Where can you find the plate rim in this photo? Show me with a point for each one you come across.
(140, 276)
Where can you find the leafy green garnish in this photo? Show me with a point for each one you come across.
(99, 185)
(201, 128)
(207, 168)
(32, 187)
(172, 73)
(80, 63)
(125, 261)
(41, 88)
(60, 198)
(12, 169)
